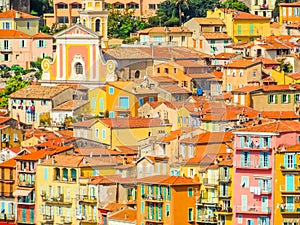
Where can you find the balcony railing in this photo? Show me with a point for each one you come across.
(87, 219)
(253, 146)
(152, 198)
(48, 218)
(290, 167)
(210, 182)
(291, 189)
(58, 200)
(291, 210)
(224, 179)
(253, 209)
(252, 165)
(224, 194)
(7, 216)
(153, 218)
(6, 195)
(87, 198)
(207, 219)
(224, 210)
(26, 184)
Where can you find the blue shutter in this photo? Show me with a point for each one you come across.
(285, 161)
(267, 155)
(267, 221)
(269, 142)
(269, 185)
(143, 207)
(260, 183)
(242, 141)
(101, 103)
(111, 114)
(141, 101)
(151, 99)
(249, 141)
(143, 189)
(124, 103)
(242, 159)
(167, 209)
(261, 142)
(261, 159)
(45, 173)
(93, 103)
(294, 161)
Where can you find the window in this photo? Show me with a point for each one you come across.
(151, 6)
(151, 99)
(241, 73)
(6, 26)
(63, 19)
(190, 192)
(97, 133)
(41, 44)
(133, 6)
(158, 70)
(124, 102)
(44, 102)
(119, 6)
(62, 6)
(166, 70)
(22, 44)
(264, 159)
(93, 103)
(175, 70)
(297, 98)
(289, 161)
(239, 29)
(285, 98)
(141, 101)
(226, 42)
(111, 90)
(6, 57)
(234, 73)
(191, 214)
(182, 38)
(244, 181)
(16, 137)
(45, 173)
(97, 25)
(178, 98)
(78, 68)
(272, 99)
(6, 45)
(245, 159)
(28, 25)
(217, 29)
(76, 6)
(103, 134)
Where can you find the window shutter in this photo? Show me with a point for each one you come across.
(289, 98)
(269, 99)
(275, 96)
(285, 160)
(261, 142)
(268, 158)
(261, 159)
(44, 43)
(294, 161)
(295, 98)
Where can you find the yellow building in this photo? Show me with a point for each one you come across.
(287, 185)
(125, 97)
(289, 12)
(97, 99)
(15, 20)
(62, 192)
(120, 131)
(242, 26)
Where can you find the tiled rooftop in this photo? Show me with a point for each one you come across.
(216, 36)
(13, 14)
(273, 127)
(71, 105)
(13, 34)
(167, 180)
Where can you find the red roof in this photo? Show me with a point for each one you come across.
(209, 137)
(11, 34)
(167, 180)
(280, 126)
(243, 15)
(14, 14)
(133, 122)
(41, 36)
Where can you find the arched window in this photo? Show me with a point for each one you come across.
(73, 175)
(65, 174)
(78, 68)
(57, 174)
(137, 74)
(83, 22)
(97, 25)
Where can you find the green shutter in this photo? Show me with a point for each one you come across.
(294, 97)
(45, 43)
(37, 43)
(251, 29)
(239, 29)
(275, 99)
(269, 99)
(289, 98)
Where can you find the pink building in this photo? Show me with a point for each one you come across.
(254, 169)
(19, 48)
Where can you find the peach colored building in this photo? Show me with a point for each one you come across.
(20, 48)
(289, 12)
(254, 169)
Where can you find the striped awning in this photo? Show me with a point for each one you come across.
(21, 192)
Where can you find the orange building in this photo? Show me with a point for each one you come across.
(7, 201)
(164, 199)
(289, 12)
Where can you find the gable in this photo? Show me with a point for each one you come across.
(77, 31)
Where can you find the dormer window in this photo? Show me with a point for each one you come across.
(79, 68)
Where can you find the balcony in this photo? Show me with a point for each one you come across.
(289, 168)
(204, 199)
(290, 211)
(87, 219)
(6, 216)
(225, 194)
(224, 211)
(290, 189)
(87, 199)
(25, 170)
(48, 218)
(224, 179)
(253, 146)
(206, 219)
(6, 49)
(153, 219)
(6, 195)
(26, 184)
(65, 221)
(252, 165)
(57, 200)
(209, 182)
(152, 198)
(258, 210)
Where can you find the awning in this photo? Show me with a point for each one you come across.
(21, 192)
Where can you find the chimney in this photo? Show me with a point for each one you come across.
(125, 216)
(18, 14)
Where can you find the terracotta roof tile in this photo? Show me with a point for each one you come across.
(41, 35)
(167, 180)
(127, 150)
(280, 115)
(216, 35)
(208, 21)
(295, 76)
(225, 55)
(209, 137)
(113, 206)
(291, 4)
(100, 180)
(267, 61)
(163, 79)
(238, 15)
(13, 34)
(282, 87)
(164, 29)
(174, 89)
(71, 105)
(190, 63)
(11, 163)
(274, 127)
(75, 86)
(86, 123)
(14, 13)
(3, 120)
(124, 215)
(173, 135)
(38, 92)
(241, 63)
(246, 89)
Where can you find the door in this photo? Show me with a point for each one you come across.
(289, 203)
(244, 203)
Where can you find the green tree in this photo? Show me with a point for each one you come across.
(235, 4)
(39, 7)
(121, 24)
(14, 84)
(181, 4)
